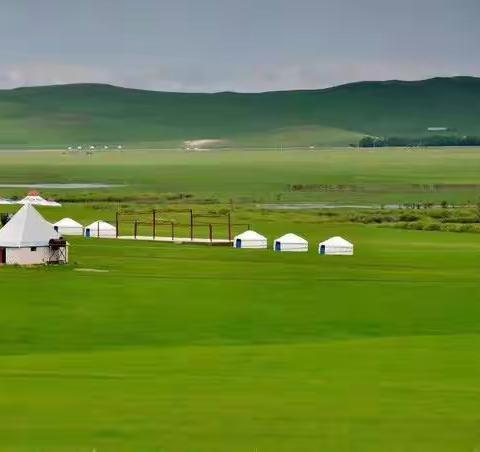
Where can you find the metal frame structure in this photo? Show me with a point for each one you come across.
(196, 220)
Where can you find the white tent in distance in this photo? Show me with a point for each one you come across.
(67, 226)
(100, 228)
(290, 242)
(250, 239)
(34, 198)
(336, 246)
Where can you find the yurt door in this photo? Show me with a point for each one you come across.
(238, 243)
(3, 256)
(278, 246)
(322, 249)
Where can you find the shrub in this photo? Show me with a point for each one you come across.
(438, 214)
(432, 227)
(415, 225)
(409, 216)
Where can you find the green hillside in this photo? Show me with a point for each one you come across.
(89, 113)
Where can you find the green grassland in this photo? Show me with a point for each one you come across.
(97, 114)
(195, 348)
(198, 348)
(329, 175)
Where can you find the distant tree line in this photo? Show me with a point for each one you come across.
(434, 140)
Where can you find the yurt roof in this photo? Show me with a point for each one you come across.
(291, 238)
(27, 228)
(250, 235)
(100, 223)
(68, 223)
(336, 241)
(34, 198)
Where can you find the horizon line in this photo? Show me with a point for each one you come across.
(332, 87)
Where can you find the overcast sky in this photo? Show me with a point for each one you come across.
(235, 45)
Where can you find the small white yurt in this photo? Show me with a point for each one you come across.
(67, 226)
(29, 239)
(336, 246)
(290, 242)
(100, 229)
(250, 239)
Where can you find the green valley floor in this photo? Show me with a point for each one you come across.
(197, 348)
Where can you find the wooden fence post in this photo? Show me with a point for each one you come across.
(191, 225)
(154, 224)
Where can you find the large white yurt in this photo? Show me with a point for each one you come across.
(67, 226)
(100, 228)
(250, 239)
(29, 239)
(336, 246)
(290, 242)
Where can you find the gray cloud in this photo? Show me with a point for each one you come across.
(253, 45)
(44, 73)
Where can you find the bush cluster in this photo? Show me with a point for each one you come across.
(433, 226)
(453, 220)
(433, 140)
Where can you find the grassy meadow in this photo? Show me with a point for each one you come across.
(164, 347)
(335, 175)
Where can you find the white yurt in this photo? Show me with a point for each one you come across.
(100, 228)
(67, 226)
(29, 239)
(34, 198)
(336, 246)
(290, 242)
(250, 239)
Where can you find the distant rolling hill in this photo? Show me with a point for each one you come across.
(92, 113)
